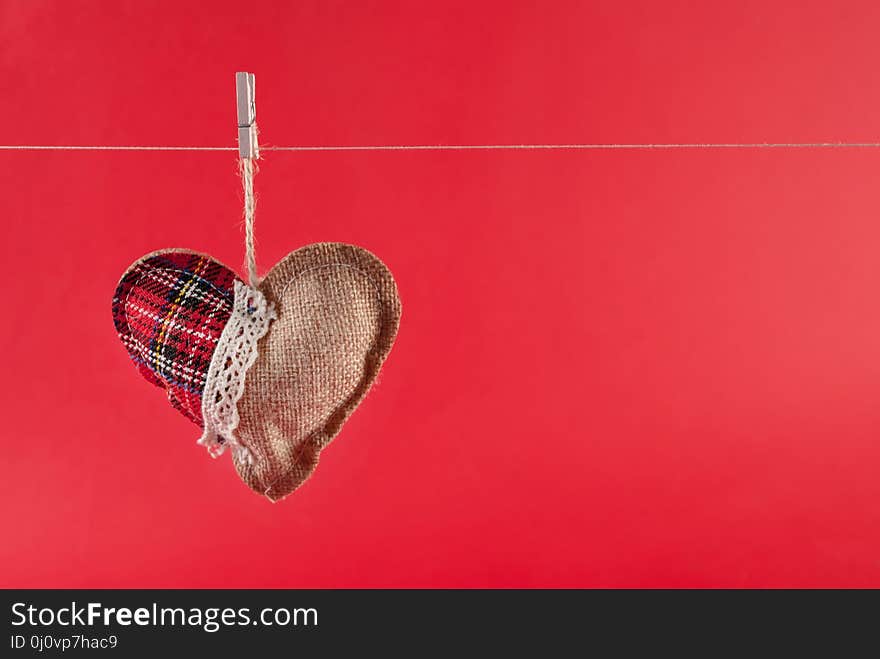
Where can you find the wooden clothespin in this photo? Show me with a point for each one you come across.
(247, 115)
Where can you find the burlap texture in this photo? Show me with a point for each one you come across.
(338, 313)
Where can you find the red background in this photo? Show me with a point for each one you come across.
(615, 368)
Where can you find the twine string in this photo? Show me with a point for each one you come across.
(458, 147)
(246, 166)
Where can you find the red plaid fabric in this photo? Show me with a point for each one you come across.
(169, 310)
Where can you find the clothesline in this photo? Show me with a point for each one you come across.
(459, 147)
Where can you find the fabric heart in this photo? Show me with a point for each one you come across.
(273, 372)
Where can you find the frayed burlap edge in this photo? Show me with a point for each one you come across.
(292, 266)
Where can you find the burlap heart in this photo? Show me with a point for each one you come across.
(321, 324)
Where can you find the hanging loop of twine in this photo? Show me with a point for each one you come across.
(247, 168)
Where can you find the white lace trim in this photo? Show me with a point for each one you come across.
(235, 353)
